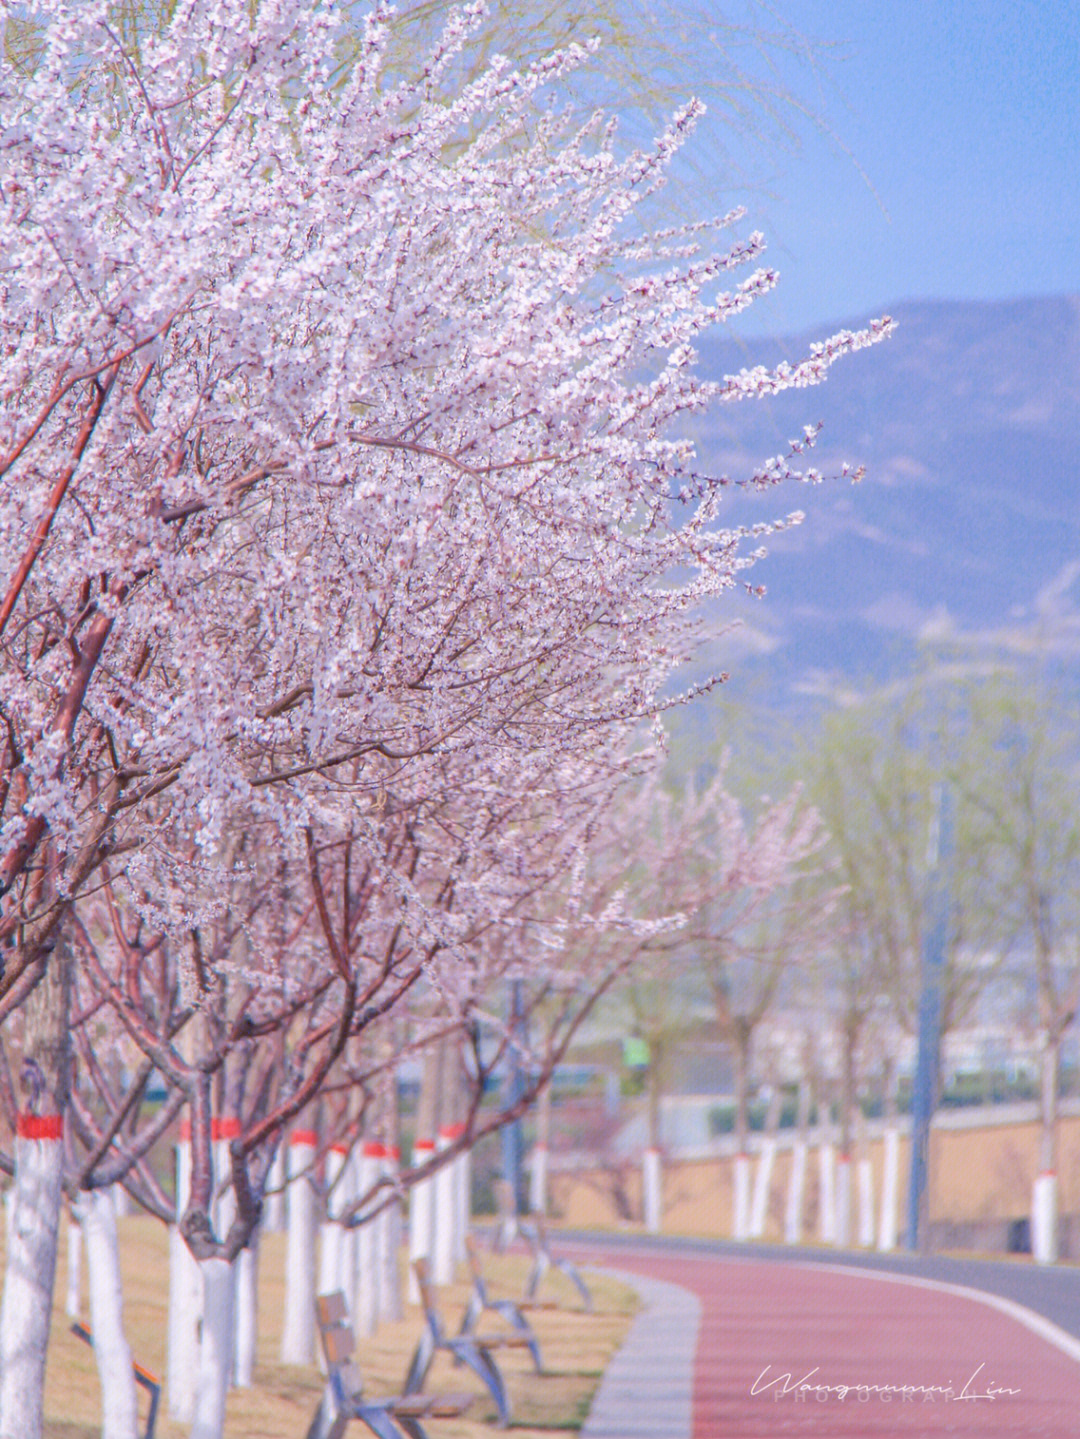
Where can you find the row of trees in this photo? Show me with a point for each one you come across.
(838, 967)
(348, 550)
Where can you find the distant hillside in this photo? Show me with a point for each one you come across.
(967, 524)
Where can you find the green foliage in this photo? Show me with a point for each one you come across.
(1008, 746)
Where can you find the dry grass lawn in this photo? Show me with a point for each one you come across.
(575, 1346)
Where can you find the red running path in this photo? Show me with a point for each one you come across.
(824, 1326)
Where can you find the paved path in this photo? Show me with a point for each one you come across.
(794, 1348)
(648, 1389)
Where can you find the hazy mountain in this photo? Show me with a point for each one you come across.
(967, 523)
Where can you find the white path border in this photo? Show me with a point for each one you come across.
(1037, 1323)
(647, 1391)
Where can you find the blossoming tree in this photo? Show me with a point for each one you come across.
(336, 442)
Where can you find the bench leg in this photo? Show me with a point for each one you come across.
(484, 1367)
(421, 1363)
(571, 1273)
(514, 1317)
(329, 1422)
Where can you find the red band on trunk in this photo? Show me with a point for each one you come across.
(374, 1150)
(393, 1153)
(39, 1126)
(426, 1146)
(304, 1136)
(451, 1131)
(224, 1128)
(339, 1148)
(185, 1131)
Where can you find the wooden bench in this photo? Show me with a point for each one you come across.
(480, 1302)
(535, 1232)
(390, 1417)
(475, 1350)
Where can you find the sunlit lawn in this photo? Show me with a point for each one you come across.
(575, 1347)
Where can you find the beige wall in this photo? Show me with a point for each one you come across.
(975, 1175)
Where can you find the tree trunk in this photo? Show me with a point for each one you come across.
(332, 1234)
(741, 1223)
(793, 1216)
(841, 1235)
(298, 1330)
(274, 1206)
(759, 1205)
(421, 1214)
(35, 1215)
(185, 1292)
(422, 1195)
(652, 1185)
(73, 1296)
(391, 1300)
(538, 1176)
(1044, 1200)
(391, 1305)
(447, 1207)
(215, 1348)
(741, 1059)
(826, 1189)
(247, 1313)
(890, 1188)
(369, 1267)
(119, 1406)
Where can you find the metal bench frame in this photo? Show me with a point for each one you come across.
(473, 1350)
(535, 1232)
(394, 1416)
(480, 1302)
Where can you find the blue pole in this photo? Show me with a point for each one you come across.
(512, 1138)
(924, 1090)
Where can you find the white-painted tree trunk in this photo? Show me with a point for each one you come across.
(298, 1327)
(122, 1202)
(391, 1306)
(367, 1246)
(350, 1243)
(866, 1204)
(443, 1243)
(538, 1180)
(421, 1214)
(332, 1236)
(652, 1186)
(796, 1195)
(888, 1229)
(185, 1300)
(1044, 1219)
(826, 1192)
(33, 1236)
(842, 1220)
(223, 1209)
(759, 1207)
(273, 1220)
(462, 1170)
(73, 1296)
(222, 1214)
(246, 1337)
(215, 1348)
(119, 1405)
(740, 1227)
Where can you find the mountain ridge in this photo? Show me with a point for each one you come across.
(966, 528)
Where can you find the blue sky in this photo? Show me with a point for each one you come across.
(964, 117)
